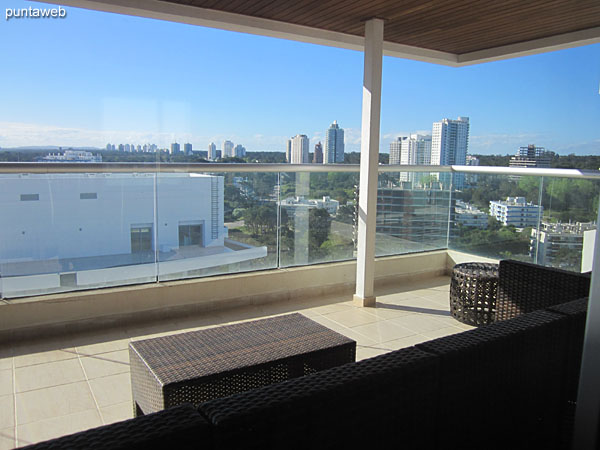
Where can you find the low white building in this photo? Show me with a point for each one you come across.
(468, 215)
(294, 203)
(72, 156)
(100, 229)
(559, 244)
(516, 211)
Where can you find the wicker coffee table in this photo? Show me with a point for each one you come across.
(202, 365)
(473, 293)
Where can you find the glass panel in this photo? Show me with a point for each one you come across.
(494, 216)
(567, 231)
(412, 212)
(317, 217)
(56, 237)
(217, 223)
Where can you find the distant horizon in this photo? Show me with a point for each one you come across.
(130, 79)
(100, 149)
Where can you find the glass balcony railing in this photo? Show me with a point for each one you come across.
(110, 225)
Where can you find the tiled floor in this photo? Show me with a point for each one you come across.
(61, 386)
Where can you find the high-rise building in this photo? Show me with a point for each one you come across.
(531, 156)
(239, 151)
(288, 151)
(299, 150)
(318, 155)
(227, 149)
(187, 149)
(449, 146)
(334, 144)
(175, 148)
(411, 150)
(212, 151)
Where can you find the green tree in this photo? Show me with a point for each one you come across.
(319, 225)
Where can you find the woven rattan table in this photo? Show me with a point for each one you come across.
(473, 293)
(202, 365)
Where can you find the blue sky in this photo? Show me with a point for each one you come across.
(93, 78)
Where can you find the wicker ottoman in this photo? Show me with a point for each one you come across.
(473, 293)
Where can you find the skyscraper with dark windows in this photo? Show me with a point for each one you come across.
(334, 145)
(318, 155)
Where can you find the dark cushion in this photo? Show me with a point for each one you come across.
(389, 398)
(500, 384)
(525, 287)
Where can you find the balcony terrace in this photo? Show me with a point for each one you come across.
(65, 364)
(79, 380)
(63, 355)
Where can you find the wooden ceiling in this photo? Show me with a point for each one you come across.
(452, 26)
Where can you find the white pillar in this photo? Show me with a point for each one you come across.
(587, 416)
(369, 162)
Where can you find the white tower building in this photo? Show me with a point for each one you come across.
(227, 149)
(411, 150)
(299, 150)
(212, 151)
(449, 145)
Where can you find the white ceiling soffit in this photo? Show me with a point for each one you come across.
(264, 27)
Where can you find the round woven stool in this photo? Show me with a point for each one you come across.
(473, 293)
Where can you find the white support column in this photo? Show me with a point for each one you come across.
(587, 416)
(369, 162)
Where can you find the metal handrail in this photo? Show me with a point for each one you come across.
(49, 168)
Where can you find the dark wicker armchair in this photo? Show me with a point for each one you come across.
(525, 287)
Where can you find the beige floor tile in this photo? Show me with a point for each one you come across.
(104, 344)
(6, 363)
(42, 376)
(104, 347)
(384, 311)
(7, 411)
(7, 439)
(6, 382)
(360, 339)
(55, 401)
(419, 323)
(352, 317)
(369, 352)
(106, 364)
(117, 413)
(112, 389)
(383, 331)
(408, 341)
(447, 321)
(45, 357)
(58, 426)
(394, 296)
(328, 309)
(441, 332)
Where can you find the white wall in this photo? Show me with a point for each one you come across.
(61, 225)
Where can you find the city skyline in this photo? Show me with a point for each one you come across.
(116, 91)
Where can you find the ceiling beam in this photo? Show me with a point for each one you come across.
(192, 15)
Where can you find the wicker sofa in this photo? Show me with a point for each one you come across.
(511, 384)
